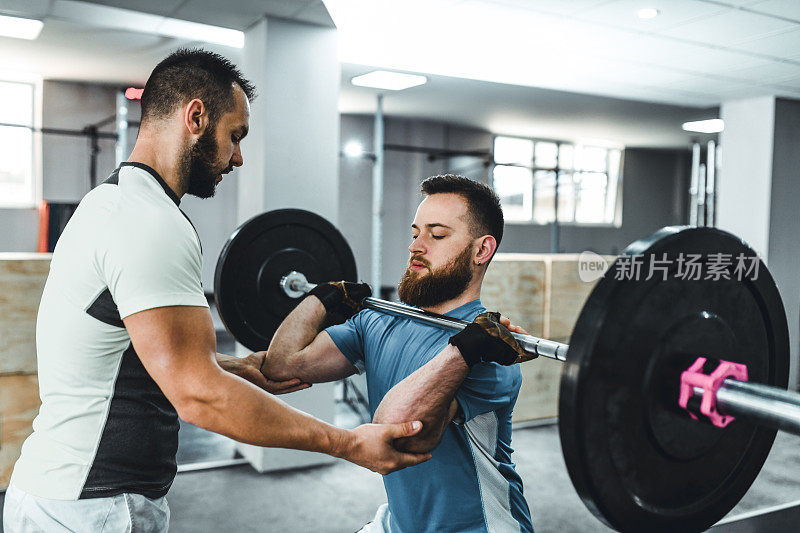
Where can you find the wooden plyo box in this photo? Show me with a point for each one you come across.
(516, 286)
(544, 294)
(19, 405)
(22, 278)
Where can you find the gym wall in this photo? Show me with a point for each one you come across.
(654, 186)
(403, 172)
(65, 159)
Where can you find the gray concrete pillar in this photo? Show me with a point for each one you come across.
(759, 193)
(291, 160)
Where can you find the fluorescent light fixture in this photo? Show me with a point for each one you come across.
(648, 13)
(713, 125)
(391, 81)
(20, 28)
(353, 149)
(125, 19)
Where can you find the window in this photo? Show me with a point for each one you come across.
(18, 184)
(527, 172)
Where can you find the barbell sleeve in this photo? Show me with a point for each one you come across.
(769, 406)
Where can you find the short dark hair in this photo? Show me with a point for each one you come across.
(483, 205)
(192, 73)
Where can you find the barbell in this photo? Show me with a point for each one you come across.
(673, 385)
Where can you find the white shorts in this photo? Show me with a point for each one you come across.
(24, 513)
(379, 524)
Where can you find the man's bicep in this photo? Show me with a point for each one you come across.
(322, 361)
(176, 345)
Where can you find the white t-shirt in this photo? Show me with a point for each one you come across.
(104, 426)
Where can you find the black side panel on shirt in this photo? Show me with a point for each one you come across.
(113, 179)
(105, 310)
(140, 438)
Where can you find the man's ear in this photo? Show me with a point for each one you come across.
(487, 248)
(195, 117)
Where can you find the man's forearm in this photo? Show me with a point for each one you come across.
(239, 410)
(296, 332)
(221, 402)
(425, 395)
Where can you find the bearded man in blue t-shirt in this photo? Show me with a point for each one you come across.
(462, 387)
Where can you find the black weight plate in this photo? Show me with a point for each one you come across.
(259, 253)
(639, 462)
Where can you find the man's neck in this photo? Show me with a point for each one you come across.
(472, 293)
(163, 160)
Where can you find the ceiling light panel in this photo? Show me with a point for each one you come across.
(391, 81)
(714, 125)
(647, 13)
(20, 28)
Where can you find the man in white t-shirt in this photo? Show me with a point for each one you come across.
(125, 341)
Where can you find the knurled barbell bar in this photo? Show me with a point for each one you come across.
(643, 352)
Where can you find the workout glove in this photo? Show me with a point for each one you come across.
(341, 298)
(486, 340)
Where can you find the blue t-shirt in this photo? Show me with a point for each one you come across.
(469, 485)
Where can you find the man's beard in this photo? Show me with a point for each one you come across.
(198, 166)
(441, 285)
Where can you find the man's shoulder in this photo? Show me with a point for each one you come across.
(371, 316)
(152, 225)
(149, 233)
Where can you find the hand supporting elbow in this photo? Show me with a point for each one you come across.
(424, 441)
(276, 367)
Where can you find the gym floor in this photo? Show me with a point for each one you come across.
(342, 497)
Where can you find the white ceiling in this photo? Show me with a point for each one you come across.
(695, 55)
(696, 52)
